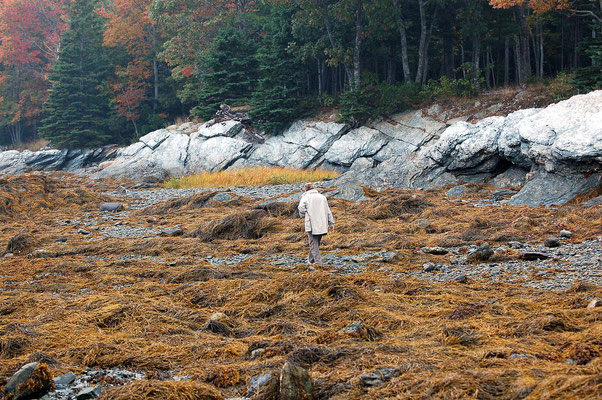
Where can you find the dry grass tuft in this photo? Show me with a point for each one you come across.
(254, 176)
(165, 390)
(246, 225)
(193, 202)
(19, 244)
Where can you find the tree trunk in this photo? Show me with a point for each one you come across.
(525, 62)
(319, 77)
(333, 42)
(506, 61)
(357, 50)
(404, 43)
(517, 60)
(422, 45)
(476, 57)
(155, 71)
(156, 84)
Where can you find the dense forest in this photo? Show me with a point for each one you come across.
(90, 72)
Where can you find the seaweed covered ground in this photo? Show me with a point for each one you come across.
(423, 296)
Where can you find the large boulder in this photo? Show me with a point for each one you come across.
(215, 154)
(161, 153)
(33, 380)
(547, 189)
(300, 146)
(361, 142)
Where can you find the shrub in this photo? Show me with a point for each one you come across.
(445, 88)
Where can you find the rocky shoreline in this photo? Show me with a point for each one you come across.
(552, 154)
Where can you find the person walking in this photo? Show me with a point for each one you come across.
(318, 220)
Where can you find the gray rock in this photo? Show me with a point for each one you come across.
(348, 192)
(19, 377)
(215, 154)
(353, 327)
(361, 142)
(461, 279)
(552, 242)
(92, 392)
(361, 164)
(434, 250)
(429, 267)
(295, 383)
(172, 231)
(379, 377)
(566, 234)
(226, 128)
(65, 379)
(257, 382)
(111, 207)
(549, 189)
(300, 146)
(83, 232)
(594, 303)
(457, 191)
(513, 177)
(222, 197)
(13, 387)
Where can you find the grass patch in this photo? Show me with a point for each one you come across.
(254, 176)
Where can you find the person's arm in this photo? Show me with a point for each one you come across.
(330, 219)
(303, 206)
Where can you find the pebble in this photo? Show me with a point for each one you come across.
(566, 234)
(88, 393)
(83, 232)
(552, 242)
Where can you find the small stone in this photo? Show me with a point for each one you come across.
(295, 383)
(83, 232)
(461, 279)
(594, 303)
(353, 327)
(222, 197)
(532, 256)
(256, 353)
(429, 267)
(257, 382)
(217, 316)
(65, 379)
(483, 253)
(88, 393)
(552, 242)
(173, 231)
(456, 191)
(61, 240)
(434, 250)
(111, 207)
(566, 234)
(8, 255)
(519, 355)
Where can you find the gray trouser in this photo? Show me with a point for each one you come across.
(314, 249)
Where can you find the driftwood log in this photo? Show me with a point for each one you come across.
(225, 113)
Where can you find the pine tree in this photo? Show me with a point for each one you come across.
(77, 111)
(276, 102)
(231, 72)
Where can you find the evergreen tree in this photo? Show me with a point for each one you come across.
(590, 78)
(277, 102)
(77, 111)
(231, 72)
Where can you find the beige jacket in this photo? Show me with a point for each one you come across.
(318, 217)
